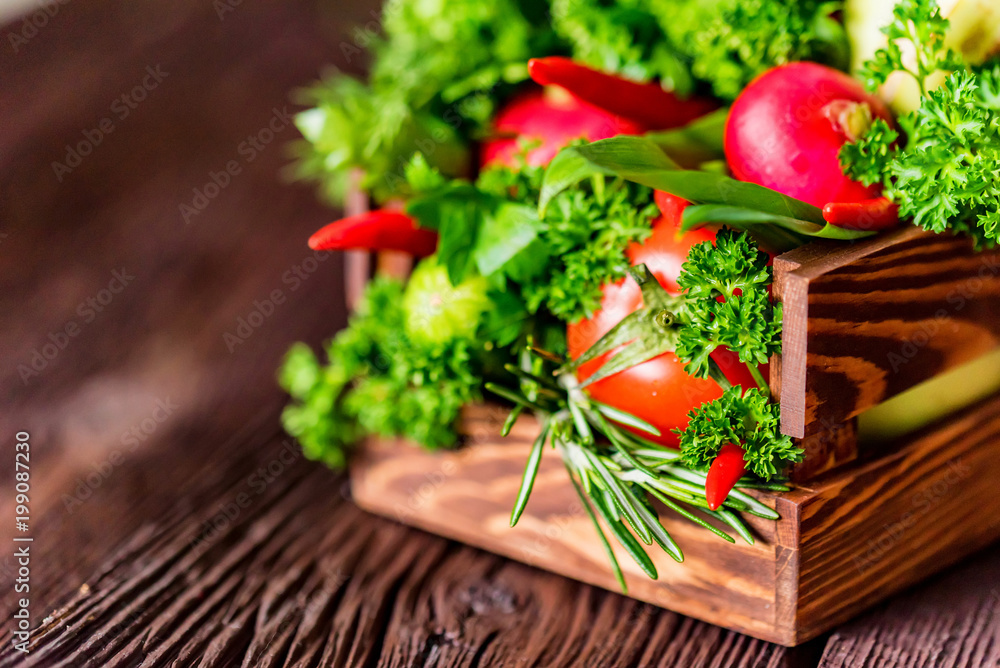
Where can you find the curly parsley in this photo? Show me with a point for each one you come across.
(377, 380)
(437, 75)
(748, 419)
(744, 320)
(728, 306)
(943, 168)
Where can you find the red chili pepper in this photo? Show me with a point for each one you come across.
(868, 214)
(646, 103)
(376, 230)
(725, 471)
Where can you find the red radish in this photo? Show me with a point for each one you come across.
(554, 118)
(787, 127)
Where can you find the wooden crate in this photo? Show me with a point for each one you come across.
(863, 322)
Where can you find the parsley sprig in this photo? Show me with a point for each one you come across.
(728, 305)
(942, 167)
(747, 418)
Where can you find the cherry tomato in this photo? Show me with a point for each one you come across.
(659, 390)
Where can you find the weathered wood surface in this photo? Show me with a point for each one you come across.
(864, 322)
(844, 541)
(301, 577)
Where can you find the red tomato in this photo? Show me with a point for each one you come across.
(553, 117)
(659, 391)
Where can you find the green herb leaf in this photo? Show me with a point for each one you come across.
(945, 175)
(751, 220)
(530, 472)
(697, 142)
(379, 381)
(638, 159)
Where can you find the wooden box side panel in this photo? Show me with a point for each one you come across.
(467, 495)
(877, 528)
(867, 321)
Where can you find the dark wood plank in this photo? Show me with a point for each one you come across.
(954, 621)
(866, 321)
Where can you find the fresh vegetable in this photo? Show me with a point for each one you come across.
(435, 311)
(648, 104)
(879, 213)
(552, 263)
(375, 230)
(546, 121)
(941, 170)
(776, 220)
(728, 306)
(786, 129)
(658, 390)
(723, 288)
(726, 470)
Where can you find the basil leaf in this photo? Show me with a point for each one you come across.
(748, 219)
(640, 160)
(698, 142)
(457, 213)
(505, 232)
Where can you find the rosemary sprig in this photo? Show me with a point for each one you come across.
(615, 472)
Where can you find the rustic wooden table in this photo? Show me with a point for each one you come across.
(172, 522)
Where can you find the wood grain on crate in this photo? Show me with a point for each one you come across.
(807, 572)
(863, 322)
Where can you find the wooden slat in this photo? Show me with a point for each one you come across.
(864, 322)
(357, 263)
